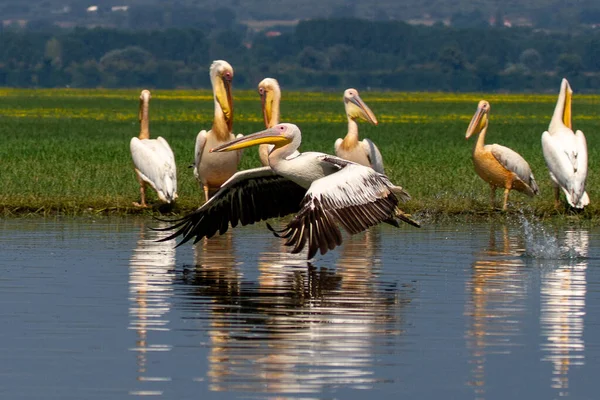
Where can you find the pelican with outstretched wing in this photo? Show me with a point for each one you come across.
(212, 170)
(499, 166)
(350, 148)
(153, 159)
(566, 152)
(322, 190)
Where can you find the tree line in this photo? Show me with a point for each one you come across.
(324, 54)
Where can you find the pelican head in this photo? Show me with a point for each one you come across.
(480, 119)
(280, 135)
(356, 108)
(145, 97)
(270, 94)
(221, 75)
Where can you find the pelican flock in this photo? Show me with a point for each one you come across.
(350, 148)
(212, 170)
(499, 166)
(322, 190)
(565, 152)
(153, 159)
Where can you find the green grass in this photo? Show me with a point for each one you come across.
(67, 151)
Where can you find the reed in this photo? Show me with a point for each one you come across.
(67, 151)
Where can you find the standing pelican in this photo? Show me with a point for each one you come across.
(566, 153)
(365, 152)
(153, 159)
(498, 165)
(270, 97)
(212, 170)
(323, 190)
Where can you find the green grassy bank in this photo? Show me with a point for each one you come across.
(67, 151)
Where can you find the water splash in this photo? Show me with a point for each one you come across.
(540, 243)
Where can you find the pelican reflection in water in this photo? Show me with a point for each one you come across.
(151, 275)
(495, 307)
(296, 329)
(562, 297)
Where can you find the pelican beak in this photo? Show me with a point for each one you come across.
(225, 100)
(266, 106)
(140, 109)
(358, 109)
(477, 122)
(269, 136)
(567, 110)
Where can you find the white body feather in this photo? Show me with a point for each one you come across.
(155, 164)
(366, 153)
(213, 169)
(566, 157)
(565, 152)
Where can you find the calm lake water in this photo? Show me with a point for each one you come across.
(96, 309)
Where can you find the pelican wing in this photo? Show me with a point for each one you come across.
(512, 161)
(582, 154)
(156, 165)
(198, 149)
(247, 197)
(373, 155)
(167, 153)
(356, 196)
(567, 163)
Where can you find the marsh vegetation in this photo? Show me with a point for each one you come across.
(67, 151)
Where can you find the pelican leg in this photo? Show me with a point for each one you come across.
(506, 192)
(206, 193)
(142, 203)
(492, 195)
(556, 197)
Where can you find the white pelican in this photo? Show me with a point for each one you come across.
(499, 166)
(270, 97)
(153, 159)
(365, 152)
(566, 153)
(212, 170)
(323, 190)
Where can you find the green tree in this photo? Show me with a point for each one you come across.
(53, 52)
(451, 58)
(313, 59)
(569, 64)
(531, 59)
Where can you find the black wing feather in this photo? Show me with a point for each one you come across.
(243, 201)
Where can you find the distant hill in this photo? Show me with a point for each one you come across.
(118, 13)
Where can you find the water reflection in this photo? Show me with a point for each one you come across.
(563, 290)
(496, 292)
(297, 328)
(151, 273)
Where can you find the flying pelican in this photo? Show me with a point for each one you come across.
(153, 159)
(212, 170)
(365, 152)
(270, 97)
(498, 165)
(566, 153)
(323, 190)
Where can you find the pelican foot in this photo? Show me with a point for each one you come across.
(138, 205)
